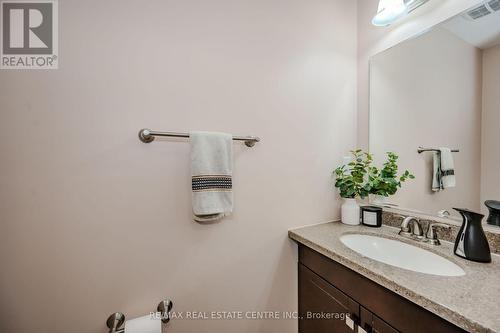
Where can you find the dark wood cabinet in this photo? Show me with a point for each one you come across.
(333, 298)
(323, 308)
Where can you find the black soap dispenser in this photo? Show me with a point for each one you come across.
(471, 242)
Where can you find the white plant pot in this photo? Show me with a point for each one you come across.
(378, 200)
(350, 212)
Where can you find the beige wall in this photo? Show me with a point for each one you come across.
(427, 92)
(490, 185)
(372, 40)
(93, 221)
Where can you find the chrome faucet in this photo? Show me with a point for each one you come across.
(412, 228)
(407, 231)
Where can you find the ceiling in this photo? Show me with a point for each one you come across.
(483, 32)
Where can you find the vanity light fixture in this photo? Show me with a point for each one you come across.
(390, 11)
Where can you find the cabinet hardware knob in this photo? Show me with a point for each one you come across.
(361, 330)
(349, 322)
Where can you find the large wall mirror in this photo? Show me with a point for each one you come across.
(441, 89)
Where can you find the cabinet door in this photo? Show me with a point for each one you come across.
(380, 326)
(370, 323)
(322, 307)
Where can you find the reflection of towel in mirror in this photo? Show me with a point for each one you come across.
(444, 170)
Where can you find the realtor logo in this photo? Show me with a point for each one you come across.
(29, 34)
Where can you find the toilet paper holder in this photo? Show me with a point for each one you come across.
(116, 320)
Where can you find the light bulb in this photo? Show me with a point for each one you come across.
(389, 11)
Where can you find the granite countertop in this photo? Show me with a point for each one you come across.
(471, 302)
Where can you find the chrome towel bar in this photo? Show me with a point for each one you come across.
(421, 150)
(147, 136)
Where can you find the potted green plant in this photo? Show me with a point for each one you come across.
(385, 182)
(351, 180)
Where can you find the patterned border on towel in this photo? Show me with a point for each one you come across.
(212, 183)
(445, 173)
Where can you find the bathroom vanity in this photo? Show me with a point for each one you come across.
(377, 297)
(434, 103)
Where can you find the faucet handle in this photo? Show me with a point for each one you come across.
(431, 236)
(405, 226)
(406, 229)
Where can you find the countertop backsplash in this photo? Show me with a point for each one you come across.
(394, 220)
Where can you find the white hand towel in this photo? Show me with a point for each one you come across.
(211, 170)
(443, 170)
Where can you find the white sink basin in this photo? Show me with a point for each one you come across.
(401, 255)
